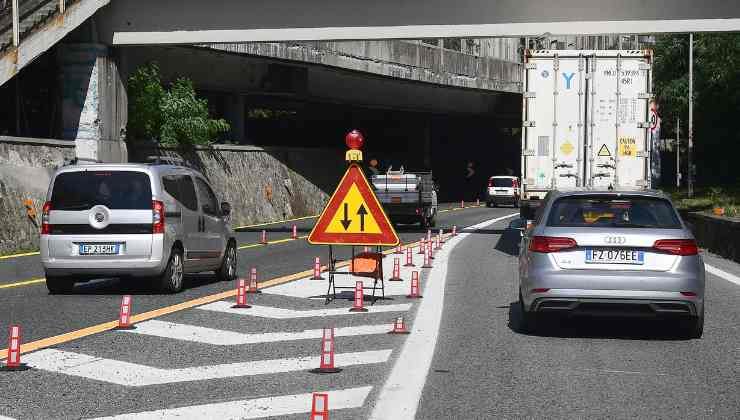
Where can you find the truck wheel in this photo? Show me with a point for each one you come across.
(59, 285)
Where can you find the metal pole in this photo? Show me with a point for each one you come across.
(16, 24)
(678, 153)
(61, 6)
(691, 114)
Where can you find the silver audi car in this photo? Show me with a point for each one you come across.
(611, 253)
(154, 221)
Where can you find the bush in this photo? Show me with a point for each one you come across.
(174, 117)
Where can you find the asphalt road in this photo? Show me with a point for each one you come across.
(484, 368)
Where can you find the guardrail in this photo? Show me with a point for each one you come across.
(719, 235)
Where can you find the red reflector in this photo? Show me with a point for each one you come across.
(689, 294)
(157, 216)
(681, 247)
(540, 290)
(45, 226)
(548, 244)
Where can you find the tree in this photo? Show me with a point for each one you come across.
(174, 117)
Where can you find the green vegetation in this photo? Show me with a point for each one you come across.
(706, 199)
(716, 100)
(174, 117)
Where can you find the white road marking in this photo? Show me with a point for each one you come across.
(280, 313)
(400, 395)
(136, 375)
(283, 405)
(723, 274)
(232, 338)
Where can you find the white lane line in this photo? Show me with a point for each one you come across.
(400, 395)
(283, 405)
(136, 375)
(280, 313)
(722, 274)
(217, 337)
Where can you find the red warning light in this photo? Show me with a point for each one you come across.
(354, 140)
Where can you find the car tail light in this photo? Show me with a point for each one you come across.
(157, 216)
(418, 211)
(688, 294)
(540, 290)
(548, 244)
(490, 183)
(45, 226)
(681, 247)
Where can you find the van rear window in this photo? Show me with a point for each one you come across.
(613, 211)
(502, 182)
(117, 190)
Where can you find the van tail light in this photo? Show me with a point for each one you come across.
(682, 247)
(547, 244)
(490, 183)
(157, 216)
(45, 226)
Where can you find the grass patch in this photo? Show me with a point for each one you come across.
(707, 198)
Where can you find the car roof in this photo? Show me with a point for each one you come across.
(141, 167)
(505, 176)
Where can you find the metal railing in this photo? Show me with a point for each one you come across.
(14, 12)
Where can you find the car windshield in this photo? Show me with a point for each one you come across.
(502, 182)
(117, 190)
(613, 211)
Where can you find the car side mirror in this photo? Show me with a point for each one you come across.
(225, 208)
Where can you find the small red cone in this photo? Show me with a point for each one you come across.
(399, 327)
(320, 407)
(454, 231)
(399, 249)
(422, 246)
(366, 249)
(294, 235)
(241, 295)
(124, 315)
(427, 256)
(253, 281)
(430, 251)
(13, 362)
(462, 204)
(396, 270)
(317, 269)
(326, 365)
(263, 239)
(429, 235)
(442, 236)
(358, 305)
(409, 258)
(414, 286)
(438, 243)
(477, 202)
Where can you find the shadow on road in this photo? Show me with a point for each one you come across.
(597, 327)
(136, 286)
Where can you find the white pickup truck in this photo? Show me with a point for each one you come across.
(407, 197)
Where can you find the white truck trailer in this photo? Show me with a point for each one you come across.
(585, 122)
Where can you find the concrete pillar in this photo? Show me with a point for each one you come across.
(234, 114)
(94, 105)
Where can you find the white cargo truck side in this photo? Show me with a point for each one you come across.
(585, 117)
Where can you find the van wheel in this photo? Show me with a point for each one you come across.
(171, 279)
(227, 271)
(59, 285)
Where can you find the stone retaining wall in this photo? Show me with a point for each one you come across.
(719, 235)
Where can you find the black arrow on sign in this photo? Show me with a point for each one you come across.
(346, 222)
(362, 212)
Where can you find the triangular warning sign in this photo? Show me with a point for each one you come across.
(353, 215)
(604, 151)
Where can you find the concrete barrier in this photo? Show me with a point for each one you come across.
(719, 235)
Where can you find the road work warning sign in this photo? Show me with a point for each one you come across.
(353, 215)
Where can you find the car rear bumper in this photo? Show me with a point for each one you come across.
(631, 304)
(502, 199)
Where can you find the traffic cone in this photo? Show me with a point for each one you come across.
(427, 264)
(442, 236)
(430, 251)
(326, 365)
(429, 235)
(437, 243)
(253, 281)
(396, 270)
(13, 362)
(399, 249)
(317, 269)
(263, 239)
(366, 249)
(320, 407)
(454, 231)
(462, 204)
(414, 286)
(241, 295)
(477, 202)
(294, 235)
(124, 315)
(358, 305)
(409, 258)
(399, 327)
(422, 246)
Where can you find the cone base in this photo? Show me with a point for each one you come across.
(413, 297)
(395, 279)
(125, 327)
(358, 310)
(242, 306)
(254, 292)
(18, 368)
(318, 278)
(399, 332)
(398, 253)
(409, 265)
(325, 370)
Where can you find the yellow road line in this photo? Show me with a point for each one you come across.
(25, 254)
(21, 283)
(277, 241)
(277, 222)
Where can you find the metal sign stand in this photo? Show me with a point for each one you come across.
(376, 275)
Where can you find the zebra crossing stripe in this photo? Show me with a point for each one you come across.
(136, 375)
(283, 405)
(232, 338)
(280, 313)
